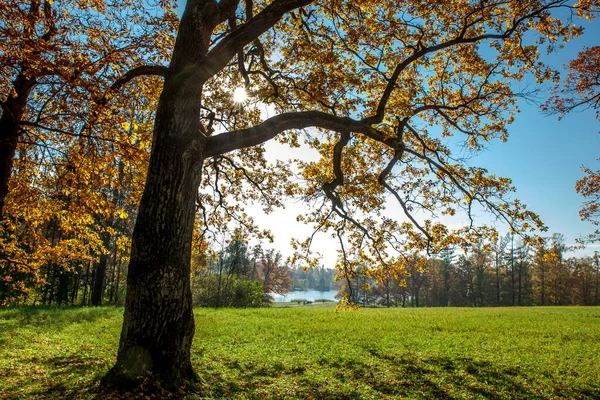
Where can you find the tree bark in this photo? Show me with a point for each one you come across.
(13, 110)
(158, 324)
(8, 146)
(100, 273)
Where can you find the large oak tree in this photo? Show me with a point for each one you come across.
(399, 93)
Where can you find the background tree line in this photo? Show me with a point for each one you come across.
(235, 275)
(321, 279)
(508, 272)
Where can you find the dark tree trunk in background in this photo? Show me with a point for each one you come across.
(86, 284)
(76, 281)
(100, 273)
(8, 145)
(99, 276)
(512, 273)
(113, 273)
(12, 112)
(118, 281)
(62, 296)
(92, 280)
(520, 283)
(52, 285)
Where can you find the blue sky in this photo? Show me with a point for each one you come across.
(544, 156)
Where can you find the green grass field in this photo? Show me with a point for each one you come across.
(312, 352)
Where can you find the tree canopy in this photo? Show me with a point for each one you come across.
(72, 155)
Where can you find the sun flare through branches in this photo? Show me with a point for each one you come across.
(239, 95)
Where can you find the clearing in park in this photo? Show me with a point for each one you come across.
(313, 352)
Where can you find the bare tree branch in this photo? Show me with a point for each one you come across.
(143, 70)
(461, 38)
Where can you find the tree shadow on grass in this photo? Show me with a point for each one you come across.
(449, 378)
(54, 318)
(376, 375)
(379, 376)
(62, 377)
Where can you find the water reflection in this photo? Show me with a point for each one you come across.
(308, 295)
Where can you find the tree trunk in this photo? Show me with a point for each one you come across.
(86, 284)
(520, 282)
(118, 281)
(52, 285)
(100, 272)
(62, 296)
(158, 324)
(12, 112)
(8, 146)
(113, 273)
(76, 281)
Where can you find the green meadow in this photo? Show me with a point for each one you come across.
(313, 352)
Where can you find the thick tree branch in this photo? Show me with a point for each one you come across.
(144, 70)
(242, 138)
(345, 260)
(338, 149)
(218, 58)
(330, 187)
(227, 8)
(240, 57)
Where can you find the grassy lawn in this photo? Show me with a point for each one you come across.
(312, 352)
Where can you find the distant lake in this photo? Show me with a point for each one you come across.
(310, 295)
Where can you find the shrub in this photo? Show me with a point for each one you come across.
(323, 301)
(234, 291)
